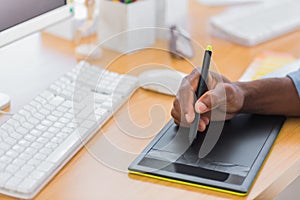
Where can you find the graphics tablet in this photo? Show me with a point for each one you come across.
(231, 166)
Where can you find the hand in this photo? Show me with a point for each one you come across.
(223, 98)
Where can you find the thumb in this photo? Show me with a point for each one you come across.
(209, 101)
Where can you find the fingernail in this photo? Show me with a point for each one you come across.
(201, 128)
(206, 122)
(201, 107)
(188, 118)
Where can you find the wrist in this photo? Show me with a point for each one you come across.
(243, 95)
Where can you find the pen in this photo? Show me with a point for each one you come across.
(201, 90)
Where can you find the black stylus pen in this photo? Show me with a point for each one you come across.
(201, 89)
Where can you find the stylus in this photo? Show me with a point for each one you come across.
(200, 91)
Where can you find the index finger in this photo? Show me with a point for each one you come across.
(187, 95)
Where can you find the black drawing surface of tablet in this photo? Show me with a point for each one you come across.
(231, 165)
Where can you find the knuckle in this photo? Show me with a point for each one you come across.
(173, 113)
(212, 99)
(230, 92)
(176, 104)
(177, 122)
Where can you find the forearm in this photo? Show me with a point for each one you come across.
(270, 96)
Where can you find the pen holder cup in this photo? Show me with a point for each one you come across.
(169, 13)
(125, 27)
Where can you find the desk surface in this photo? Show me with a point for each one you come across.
(30, 65)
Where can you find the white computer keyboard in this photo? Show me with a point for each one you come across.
(37, 141)
(251, 25)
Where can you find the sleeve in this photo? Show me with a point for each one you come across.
(295, 76)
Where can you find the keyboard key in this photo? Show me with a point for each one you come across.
(14, 123)
(30, 109)
(22, 130)
(24, 143)
(41, 127)
(53, 130)
(30, 151)
(27, 125)
(45, 167)
(36, 104)
(10, 140)
(5, 159)
(16, 135)
(30, 138)
(39, 116)
(4, 146)
(60, 152)
(57, 113)
(36, 133)
(28, 168)
(58, 125)
(19, 162)
(42, 140)
(100, 98)
(46, 123)
(62, 109)
(18, 148)
(37, 145)
(67, 130)
(51, 145)
(25, 156)
(1, 153)
(68, 116)
(56, 140)
(47, 95)
(13, 182)
(49, 107)
(34, 162)
(64, 120)
(19, 118)
(4, 177)
(44, 111)
(12, 169)
(25, 113)
(12, 154)
(3, 133)
(57, 101)
(28, 185)
(84, 113)
(40, 156)
(46, 151)
(40, 100)
(21, 174)
(48, 135)
(7, 128)
(33, 121)
(67, 94)
(67, 104)
(2, 167)
(72, 125)
(88, 124)
(52, 118)
(62, 135)
(37, 175)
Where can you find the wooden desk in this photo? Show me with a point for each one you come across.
(30, 65)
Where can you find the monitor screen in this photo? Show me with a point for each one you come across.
(14, 12)
(19, 18)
